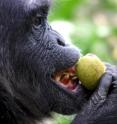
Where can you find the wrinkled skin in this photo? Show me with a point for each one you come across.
(30, 51)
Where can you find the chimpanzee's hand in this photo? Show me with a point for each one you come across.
(102, 105)
(112, 69)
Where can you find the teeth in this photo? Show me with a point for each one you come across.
(71, 74)
(73, 78)
(79, 82)
(57, 78)
(66, 75)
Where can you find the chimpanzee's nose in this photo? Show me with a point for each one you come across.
(60, 41)
(58, 38)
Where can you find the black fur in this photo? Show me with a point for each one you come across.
(30, 51)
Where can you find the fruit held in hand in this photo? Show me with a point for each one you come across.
(89, 69)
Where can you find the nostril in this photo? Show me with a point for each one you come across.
(60, 42)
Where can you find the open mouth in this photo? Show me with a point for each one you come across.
(67, 79)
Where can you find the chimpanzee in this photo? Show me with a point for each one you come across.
(30, 53)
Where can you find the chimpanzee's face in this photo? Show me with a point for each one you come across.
(32, 53)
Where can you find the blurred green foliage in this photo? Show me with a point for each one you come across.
(59, 119)
(64, 9)
(93, 25)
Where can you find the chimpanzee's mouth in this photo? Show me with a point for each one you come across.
(67, 79)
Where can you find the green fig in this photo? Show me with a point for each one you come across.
(89, 70)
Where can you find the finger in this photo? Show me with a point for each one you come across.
(105, 83)
(108, 65)
(111, 69)
(114, 76)
(114, 84)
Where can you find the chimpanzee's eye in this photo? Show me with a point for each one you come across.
(37, 21)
